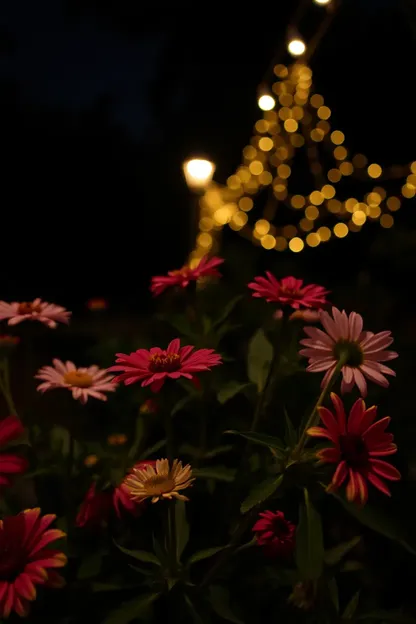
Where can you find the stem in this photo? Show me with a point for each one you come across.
(5, 387)
(202, 434)
(172, 534)
(312, 420)
(169, 437)
(260, 403)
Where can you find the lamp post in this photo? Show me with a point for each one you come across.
(198, 174)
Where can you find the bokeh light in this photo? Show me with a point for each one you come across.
(296, 47)
(266, 102)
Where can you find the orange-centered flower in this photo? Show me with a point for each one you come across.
(83, 382)
(160, 481)
(37, 310)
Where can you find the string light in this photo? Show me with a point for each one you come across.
(322, 1)
(296, 47)
(266, 102)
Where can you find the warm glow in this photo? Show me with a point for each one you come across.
(268, 241)
(296, 47)
(266, 102)
(266, 144)
(386, 221)
(262, 227)
(245, 203)
(340, 230)
(393, 203)
(359, 217)
(296, 244)
(311, 213)
(322, 2)
(374, 170)
(198, 173)
(313, 240)
(280, 244)
(324, 234)
(337, 137)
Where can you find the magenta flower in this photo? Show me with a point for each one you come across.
(37, 310)
(11, 464)
(182, 277)
(83, 382)
(288, 291)
(364, 350)
(275, 534)
(153, 367)
(359, 445)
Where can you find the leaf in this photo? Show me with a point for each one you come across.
(291, 435)
(181, 324)
(152, 449)
(138, 437)
(181, 403)
(160, 551)
(219, 473)
(377, 520)
(218, 450)
(309, 541)
(90, 566)
(227, 310)
(196, 617)
(260, 355)
(260, 492)
(204, 554)
(206, 325)
(334, 555)
(60, 442)
(388, 616)
(140, 555)
(131, 610)
(182, 528)
(231, 389)
(262, 439)
(333, 593)
(220, 602)
(351, 607)
(352, 566)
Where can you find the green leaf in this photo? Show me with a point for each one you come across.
(206, 325)
(131, 610)
(218, 450)
(182, 528)
(160, 551)
(220, 602)
(182, 403)
(334, 555)
(219, 473)
(260, 492)
(309, 541)
(60, 442)
(227, 310)
(388, 616)
(351, 607)
(352, 566)
(230, 390)
(377, 520)
(181, 324)
(260, 355)
(333, 593)
(262, 439)
(138, 437)
(152, 449)
(140, 555)
(204, 554)
(196, 617)
(90, 566)
(291, 435)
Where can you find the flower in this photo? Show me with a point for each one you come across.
(275, 534)
(344, 337)
(160, 481)
(153, 367)
(358, 444)
(25, 561)
(182, 277)
(11, 429)
(83, 382)
(116, 439)
(36, 310)
(307, 316)
(148, 407)
(96, 508)
(289, 291)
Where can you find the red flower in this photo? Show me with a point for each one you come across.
(289, 291)
(275, 534)
(153, 367)
(359, 443)
(11, 429)
(96, 508)
(25, 561)
(182, 277)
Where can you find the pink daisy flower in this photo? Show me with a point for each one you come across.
(11, 429)
(288, 291)
(36, 310)
(365, 351)
(275, 534)
(83, 382)
(153, 367)
(182, 277)
(359, 444)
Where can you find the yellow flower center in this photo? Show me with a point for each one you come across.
(183, 271)
(28, 308)
(165, 362)
(78, 379)
(158, 485)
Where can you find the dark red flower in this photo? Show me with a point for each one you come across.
(359, 443)
(11, 429)
(25, 560)
(289, 291)
(182, 277)
(275, 534)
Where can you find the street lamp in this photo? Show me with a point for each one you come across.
(198, 173)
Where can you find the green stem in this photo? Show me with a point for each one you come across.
(263, 395)
(5, 388)
(169, 437)
(314, 416)
(172, 535)
(70, 456)
(202, 434)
